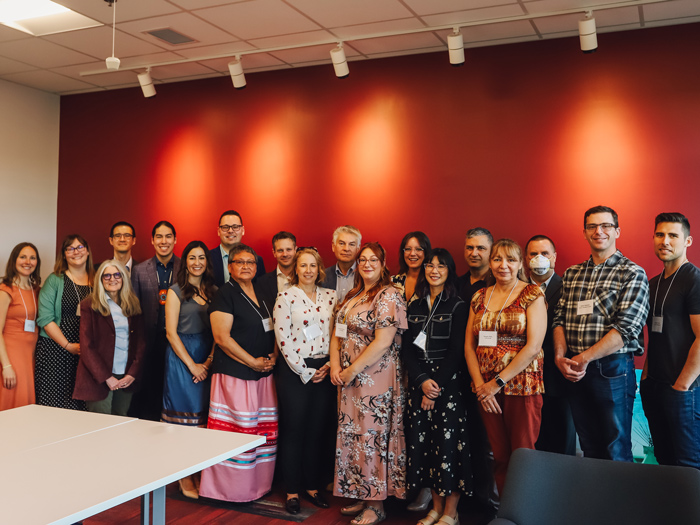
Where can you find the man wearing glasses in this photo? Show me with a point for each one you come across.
(122, 237)
(597, 330)
(230, 231)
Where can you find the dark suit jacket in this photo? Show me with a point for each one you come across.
(218, 263)
(97, 336)
(267, 288)
(331, 280)
(555, 384)
(144, 278)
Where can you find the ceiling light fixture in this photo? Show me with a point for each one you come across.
(340, 63)
(149, 90)
(113, 62)
(587, 33)
(42, 17)
(235, 68)
(455, 45)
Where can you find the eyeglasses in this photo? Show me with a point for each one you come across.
(605, 226)
(72, 249)
(226, 228)
(417, 250)
(117, 276)
(374, 261)
(307, 248)
(430, 267)
(126, 236)
(241, 263)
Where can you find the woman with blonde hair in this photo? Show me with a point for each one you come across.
(111, 342)
(18, 333)
(58, 349)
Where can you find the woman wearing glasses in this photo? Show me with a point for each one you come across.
(243, 395)
(370, 448)
(432, 351)
(18, 310)
(111, 342)
(412, 251)
(503, 347)
(58, 349)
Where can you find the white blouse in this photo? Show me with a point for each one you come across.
(295, 316)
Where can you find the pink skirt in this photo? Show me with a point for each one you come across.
(248, 407)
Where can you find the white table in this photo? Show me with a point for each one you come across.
(61, 466)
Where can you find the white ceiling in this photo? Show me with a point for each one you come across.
(256, 28)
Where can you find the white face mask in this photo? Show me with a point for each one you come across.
(539, 265)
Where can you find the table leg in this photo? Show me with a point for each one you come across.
(145, 508)
(159, 506)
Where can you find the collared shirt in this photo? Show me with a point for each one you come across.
(345, 282)
(121, 339)
(129, 264)
(620, 294)
(165, 279)
(546, 283)
(224, 257)
(283, 283)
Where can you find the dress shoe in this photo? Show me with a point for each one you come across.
(422, 501)
(292, 505)
(317, 499)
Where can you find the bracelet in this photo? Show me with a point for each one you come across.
(6, 366)
(67, 343)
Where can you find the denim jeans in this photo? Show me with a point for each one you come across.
(674, 421)
(602, 408)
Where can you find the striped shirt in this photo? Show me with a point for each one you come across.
(620, 294)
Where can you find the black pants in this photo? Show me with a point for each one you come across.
(147, 402)
(557, 432)
(304, 412)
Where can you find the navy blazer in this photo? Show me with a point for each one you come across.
(331, 280)
(144, 279)
(97, 337)
(218, 263)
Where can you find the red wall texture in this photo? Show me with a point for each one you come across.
(521, 140)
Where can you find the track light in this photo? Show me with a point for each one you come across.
(236, 69)
(455, 44)
(340, 63)
(149, 90)
(587, 33)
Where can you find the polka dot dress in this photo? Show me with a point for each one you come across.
(55, 367)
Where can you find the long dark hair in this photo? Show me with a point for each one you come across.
(424, 242)
(11, 270)
(207, 285)
(450, 287)
(384, 278)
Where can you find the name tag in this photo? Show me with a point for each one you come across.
(312, 332)
(29, 325)
(341, 330)
(267, 324)
(420, 340)
(488, 338)
(657, 324)
(584, 307)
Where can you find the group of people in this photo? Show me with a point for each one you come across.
(419, 377)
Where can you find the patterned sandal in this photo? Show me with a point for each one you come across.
(431, 519)
(381, 516)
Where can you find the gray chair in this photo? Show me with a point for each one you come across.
(543, 488)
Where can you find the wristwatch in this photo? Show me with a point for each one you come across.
(499, 381)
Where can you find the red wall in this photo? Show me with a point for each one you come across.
(521, 140)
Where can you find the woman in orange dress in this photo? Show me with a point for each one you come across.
(18, 307)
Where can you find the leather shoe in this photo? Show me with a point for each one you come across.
(292, 505)
(317, 499)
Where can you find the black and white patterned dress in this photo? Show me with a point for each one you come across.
(55, 366)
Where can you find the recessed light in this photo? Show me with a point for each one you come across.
(42, 17)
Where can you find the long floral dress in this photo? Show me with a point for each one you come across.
(371, 448)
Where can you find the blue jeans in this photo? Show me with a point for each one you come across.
(674, 422)
(602, 408)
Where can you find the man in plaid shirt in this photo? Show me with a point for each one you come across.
(597, 329)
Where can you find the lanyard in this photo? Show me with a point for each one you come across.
(257, 311)
(345, 307)
(26, 312)
(432, 311)
(595, 286)
(76, 289)
(502, 307)
(653, 312)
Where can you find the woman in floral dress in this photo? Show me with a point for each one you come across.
(370, 449)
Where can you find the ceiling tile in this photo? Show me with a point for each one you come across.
(8, 33)
(378, 28)
(180, 70)
(254, 61)
(258, 19)
(41, 53)
(670, 10)
(609, 17)
(474, 15)
(116, 78)
(310, 37)
(187, 24)
(397, 43)
(147, 60)
(126, 9)
(517, 29)
(47, 81)
(554, 6)
(445, 6)
(8, 65)
(97, 41)
(309, 54)
(216, 50)
(336, 14)
(197, 4)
